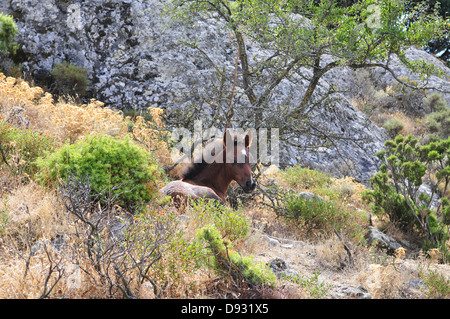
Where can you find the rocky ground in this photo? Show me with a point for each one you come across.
(323, 269)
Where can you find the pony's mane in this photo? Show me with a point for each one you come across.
(196, 166)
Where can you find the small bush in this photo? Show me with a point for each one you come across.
(438, 122)
(304, 178)
(316, 214)
(396, 187)
(113, 165)
(70, 79)
(228, 262)
(437, 286)
(434, 102)
(8, 31)
(393, 126)
(19, 148)
(315, 288)
(232, 224)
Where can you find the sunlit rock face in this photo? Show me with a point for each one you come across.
(138, 57)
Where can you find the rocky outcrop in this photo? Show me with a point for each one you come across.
(136, 57)
(375, 236)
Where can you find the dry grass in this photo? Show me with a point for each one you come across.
(32, 209)
(31, 107)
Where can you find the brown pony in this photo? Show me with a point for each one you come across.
(211, 179)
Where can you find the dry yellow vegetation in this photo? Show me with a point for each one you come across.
(31, 107)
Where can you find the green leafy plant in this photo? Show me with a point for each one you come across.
(70, 79)
(8, 31)
(19, 148)
(305, 178)
(317, 214)
(232, 224)
(438, 122)
(3, 217)
(224, 260)
(393, 126)
(113, 165)
(396, 187)
(436, 285)
(313, 286)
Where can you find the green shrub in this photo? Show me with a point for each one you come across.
(438, 122)
(70, 79)
(224, 260)
(393, 126)
(437, 286)
(305, 178)
(315, 288)
(8, 31)
(232, 224)
(434, 102)
(316, 214)
(113, 165)
(396, 187)
(19, 148)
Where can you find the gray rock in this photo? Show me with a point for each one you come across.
(345, 291)
(310, 196)
(270, 241)
(417, 284)
(277, 265)
(57, 243)
(281, 269)
(375, 236)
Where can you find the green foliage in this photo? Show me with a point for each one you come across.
(3, 217)
(232, 224)
(395, 188)
(323, 212)
(316, 289)
(366, 31)
(19, 148)
(113, 165)
(315, 212)
(179, 255)
(438, 122)
(70, 79)
(434, 101)
(305, 178)
(322, 215)
(437, 286)
(393, 126)
(226, 261)
(8, 31)
(384, 199)
(304, 34)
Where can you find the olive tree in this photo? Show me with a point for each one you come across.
(302, 41)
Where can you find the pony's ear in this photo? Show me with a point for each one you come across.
(227, 137)
(248, 139)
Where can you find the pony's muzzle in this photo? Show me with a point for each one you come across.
(250, 185)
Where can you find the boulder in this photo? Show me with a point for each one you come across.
(281, 269)
(375, 236)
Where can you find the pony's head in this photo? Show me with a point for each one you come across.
(237, 159)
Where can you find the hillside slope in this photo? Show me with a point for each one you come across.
(309, 257)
